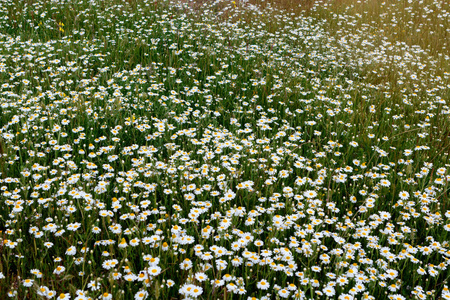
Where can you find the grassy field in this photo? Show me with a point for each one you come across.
(224, 149)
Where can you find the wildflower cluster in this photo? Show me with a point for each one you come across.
(176, 150)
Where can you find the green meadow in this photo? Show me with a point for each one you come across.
(216, 149)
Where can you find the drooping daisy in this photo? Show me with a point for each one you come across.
(141, 295)
(28, 282)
